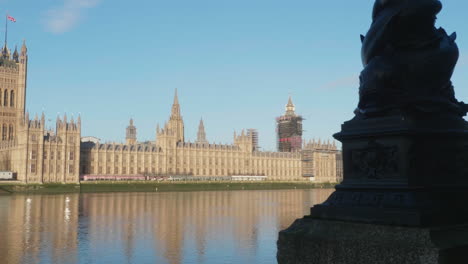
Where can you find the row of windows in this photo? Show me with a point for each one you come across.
(7, 132)
(214, 172)
(33, 155)
(8, 98)
(7, 80)
(209, 162)
(32, 168)
(201, 161)
(108, 156)
(185, 160)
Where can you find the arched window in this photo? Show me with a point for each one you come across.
(10, 132)
(5, 98)
(4, 132)
(12, 98)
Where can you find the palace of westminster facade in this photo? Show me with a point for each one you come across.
(37, 155)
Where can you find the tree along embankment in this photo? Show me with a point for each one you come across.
(151, 186)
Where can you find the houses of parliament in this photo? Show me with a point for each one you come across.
(34, 154)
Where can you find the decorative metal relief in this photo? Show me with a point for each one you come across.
(375, 161)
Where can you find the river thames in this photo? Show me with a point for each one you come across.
(174, 227)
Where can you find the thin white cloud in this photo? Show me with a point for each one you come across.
(342, 82)
(63, 18)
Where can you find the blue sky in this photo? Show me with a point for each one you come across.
(233, 62)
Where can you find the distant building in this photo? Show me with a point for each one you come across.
(35, 154)
(321, 161)
(289, 130)
(171, 155)
(254, 134)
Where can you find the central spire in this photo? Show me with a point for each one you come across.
(176, 98)
(175, 112)
(176, 124)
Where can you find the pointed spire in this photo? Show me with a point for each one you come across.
(290, 108)
(290, 103)
(201, 135)
(175, 111)
(201, 125)
(176, 98)
(78, 121)
(15, 54)
(24, 49)
(5, 52)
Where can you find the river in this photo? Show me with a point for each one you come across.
(173, 227)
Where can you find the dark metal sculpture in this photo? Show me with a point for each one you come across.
(405, 152)
(408, 62)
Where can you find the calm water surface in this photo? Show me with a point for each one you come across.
(179, 227)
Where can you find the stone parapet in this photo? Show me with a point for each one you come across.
(313, 241)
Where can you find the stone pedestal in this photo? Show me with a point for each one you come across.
(402, 200)
(409, 170)
(315, 241)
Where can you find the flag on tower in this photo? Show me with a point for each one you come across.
(11, 18)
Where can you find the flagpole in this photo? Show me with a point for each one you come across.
(6, 28)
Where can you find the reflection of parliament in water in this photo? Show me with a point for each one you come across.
(162, 222)
(38, 155)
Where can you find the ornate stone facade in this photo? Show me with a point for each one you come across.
(33, 153)
(171, 155)
(38, 155)
(321, 161)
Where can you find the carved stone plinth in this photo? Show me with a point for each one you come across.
(402, 170)
(313, 241)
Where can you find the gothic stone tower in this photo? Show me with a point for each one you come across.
(173, 131)
(44, 156)
(13, 71)
(171, 135)
(130, 137)
(289, 129)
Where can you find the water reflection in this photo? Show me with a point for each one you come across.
(180, 227)
(37, 229)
